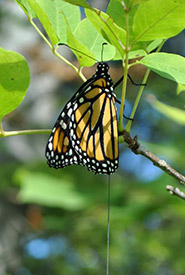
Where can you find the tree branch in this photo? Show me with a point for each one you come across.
(140, 150)
(175, 191)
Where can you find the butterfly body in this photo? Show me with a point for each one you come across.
(86, 130)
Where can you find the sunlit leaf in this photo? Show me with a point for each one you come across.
(104, 24)
(86, 33)
(84, 56)
(171, 66)
(153, 45)
(136, 54)
(14, 80)
(81, 3)
(26, 8)
(54, 12)
(44, 20)
(116, 11)
(159, 19)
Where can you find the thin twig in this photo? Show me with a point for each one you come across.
(162, 164)
(175, 191)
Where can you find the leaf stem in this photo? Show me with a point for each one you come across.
(79, 72)
(129, 124)
(40, 33)
(1, 129)
(55, 51)
(125, 65)
(23, 132)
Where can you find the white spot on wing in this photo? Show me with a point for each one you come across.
(81, 100)
(75, 106)
(50, 146)
(70, 112)
(69, 104)
(64, 126)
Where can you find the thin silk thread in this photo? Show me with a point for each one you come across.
(108, 228)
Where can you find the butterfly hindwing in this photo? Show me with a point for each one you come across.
(59, 151)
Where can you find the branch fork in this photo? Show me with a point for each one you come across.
(162, 164)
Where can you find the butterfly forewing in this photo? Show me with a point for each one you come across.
(86, 131)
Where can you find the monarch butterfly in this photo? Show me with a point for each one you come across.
(86, 131)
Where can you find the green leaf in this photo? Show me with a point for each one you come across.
(86, 33)
(84, 56)
(172, 113)
(26, 8)
(116, 12)
(155, 19)
(14, 80)
(49, 191)
(132, 54)
(53, 10)
(81, 3)
(117, 55)
(170, 66)
(107, 28)
(180, 88)
(44, 20)
(136, 54)
(153, 45)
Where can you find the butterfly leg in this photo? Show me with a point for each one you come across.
(121, 79)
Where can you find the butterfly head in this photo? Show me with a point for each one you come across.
(102, 67)
(102, 71)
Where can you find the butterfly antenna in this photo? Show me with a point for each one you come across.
(102, 50)
(63, 44)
